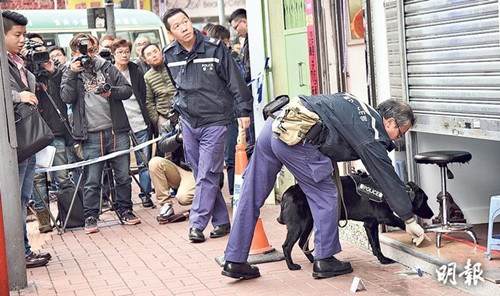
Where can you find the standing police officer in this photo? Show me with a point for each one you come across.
(209, 89)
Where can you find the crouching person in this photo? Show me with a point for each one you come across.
(95, 88)
(171, 174)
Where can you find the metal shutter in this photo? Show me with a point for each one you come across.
(452, 59)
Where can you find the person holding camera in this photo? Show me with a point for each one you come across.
(22, 83)
(96, 89)
(137, 113)
(54, 111)
(171, 174)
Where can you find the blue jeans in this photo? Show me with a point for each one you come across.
(26, 173)
(61, 177)
(99, 144)
(142, 137)
(229, 153)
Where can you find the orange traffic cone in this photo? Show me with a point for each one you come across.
(240, 164)
(260, 244)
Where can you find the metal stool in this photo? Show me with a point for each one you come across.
(493, 239)
(442, 159)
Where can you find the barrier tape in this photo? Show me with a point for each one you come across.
(259, 80)
(99, 159)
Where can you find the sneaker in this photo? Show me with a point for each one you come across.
(146, 200)
(91, 225)
(129, 218)
(166, 212)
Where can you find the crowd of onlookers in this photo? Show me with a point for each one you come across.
(97, 99)
(194, 95)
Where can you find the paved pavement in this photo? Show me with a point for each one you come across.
(152, 259)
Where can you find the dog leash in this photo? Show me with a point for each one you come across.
(336, 178)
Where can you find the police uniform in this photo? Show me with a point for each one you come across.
(352, 131)
(209, 91)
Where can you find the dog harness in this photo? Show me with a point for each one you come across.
(366, 187)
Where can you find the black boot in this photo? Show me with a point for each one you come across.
(242, 271)
(329, 267)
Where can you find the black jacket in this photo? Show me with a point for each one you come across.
(52, 83)
(208, 82)
(353, 130)
(73, 92)
(139, 88)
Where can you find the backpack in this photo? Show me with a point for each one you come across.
(76, 218)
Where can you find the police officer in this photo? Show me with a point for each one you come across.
(209, 89)
(352, 130)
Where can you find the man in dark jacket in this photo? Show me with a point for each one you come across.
(137, 113)
(22, 84)
(95, 88)
(351, 130)
(209, 90)
(48, 78)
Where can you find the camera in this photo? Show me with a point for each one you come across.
(85, 59)
(34, 57)
(105, 53)
(103, 89)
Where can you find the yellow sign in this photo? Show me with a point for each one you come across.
(84, 4)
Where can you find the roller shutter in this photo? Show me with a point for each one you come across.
(448, 64)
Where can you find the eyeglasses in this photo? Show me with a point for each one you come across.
(237, 25)
(141, 43)
(401, 134)
(119, 52)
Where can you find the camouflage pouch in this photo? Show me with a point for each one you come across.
(293, 123)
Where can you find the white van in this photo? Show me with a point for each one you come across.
(57, 27)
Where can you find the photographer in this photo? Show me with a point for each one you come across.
(171, 174)
(96, 88)
(48, 81)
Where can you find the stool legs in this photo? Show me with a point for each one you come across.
(443, 192)
(445, 226)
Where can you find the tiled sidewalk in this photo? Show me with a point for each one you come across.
(152, 259)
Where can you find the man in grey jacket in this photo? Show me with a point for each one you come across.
(95, 88)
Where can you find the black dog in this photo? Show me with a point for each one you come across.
(296, 214)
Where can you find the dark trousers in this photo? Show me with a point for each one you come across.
(99, 144)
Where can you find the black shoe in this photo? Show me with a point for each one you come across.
(41, 255)
(146, 200)
(220, 230)
(242, 271)
(32, 260)
(329, 267)
(196, 235)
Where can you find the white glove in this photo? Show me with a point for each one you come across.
(416, 232)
